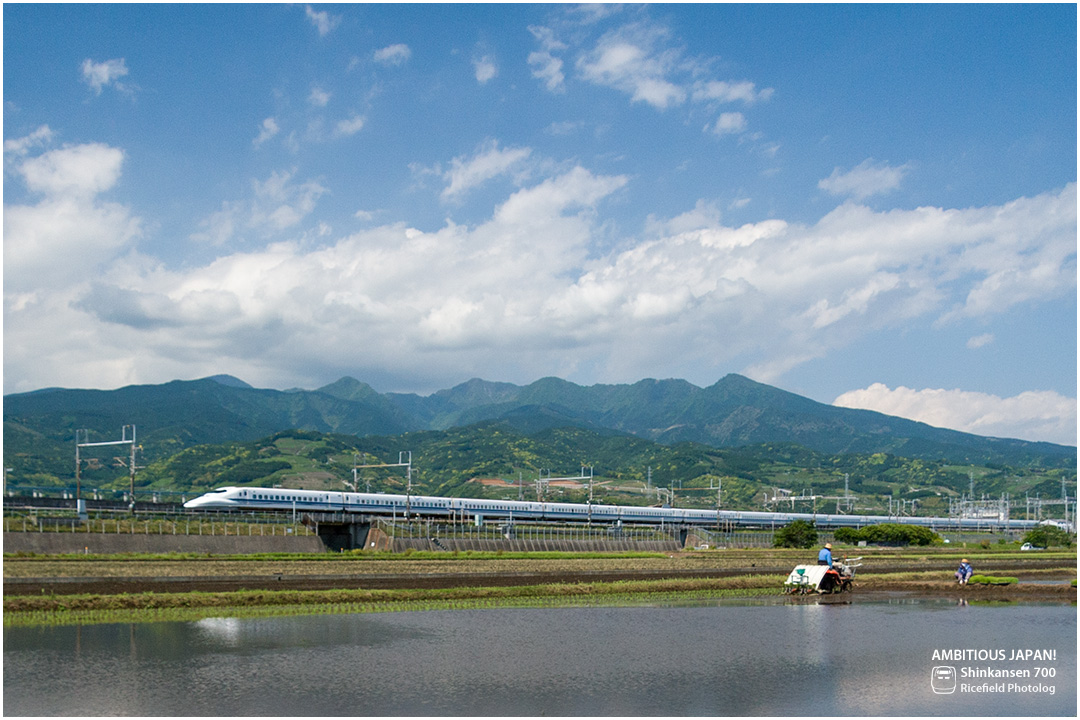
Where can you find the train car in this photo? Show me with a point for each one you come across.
(253, 498)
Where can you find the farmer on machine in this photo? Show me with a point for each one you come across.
(825, 556)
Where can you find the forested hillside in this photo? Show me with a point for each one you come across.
(452, 462)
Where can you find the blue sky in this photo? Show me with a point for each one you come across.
(867, 205)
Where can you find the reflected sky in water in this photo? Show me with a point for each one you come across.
(719, 659)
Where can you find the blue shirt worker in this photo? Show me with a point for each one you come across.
(964, 572)
(825, 556)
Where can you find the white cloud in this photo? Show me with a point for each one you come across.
(69, 231)
(704, 215)
(323, 21)
(1032, 415)
(548, 68)
(980, 340)
(267, 130)
(219, 227)
(549, 199)
(279, 203)
(393, 54)
(103, 74)
(538, 288)
(546, 37)
(729, 123)
(564, 128)
(318, 97)
(725, 92)
(451, 292)
(350, 126)
(485, 68)
(640, 60)
(19, 147)
(545, 64)
(628, 60)
(866, 179)
(74, 170)
(490, 161)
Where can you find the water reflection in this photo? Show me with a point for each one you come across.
(775, 658)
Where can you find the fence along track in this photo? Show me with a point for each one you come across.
(426, 535)
(249, 527)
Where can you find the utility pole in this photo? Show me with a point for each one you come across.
(590, 489)
(124, 440)
(131, 465)
(402, 462)
(78, 463)
(408, 486)
(1065, 500)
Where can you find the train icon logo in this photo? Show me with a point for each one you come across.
(943, 679)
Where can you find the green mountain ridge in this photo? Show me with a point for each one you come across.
(39, 426)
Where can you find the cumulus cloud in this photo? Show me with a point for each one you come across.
(74, 170)
(318, 97)
(629, 59)
(489, 161)
(485, 68)
(1032, 415)
(866, 179)
(69, 231)
(349, 126)
(641, 60)
(267, 130)
(18, 147)
(393, 54)
(281, 203)
(99, 75)
(277, 204)
(548, 68)
(219, 227)
(323, 21)
(537, 288)
(545, 64)
(729, 123)
(453, 291)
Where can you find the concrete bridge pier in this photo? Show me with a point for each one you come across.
(344, 536)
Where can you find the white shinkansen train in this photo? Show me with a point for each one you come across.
(469, 509)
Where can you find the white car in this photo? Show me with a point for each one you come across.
(1029, 546)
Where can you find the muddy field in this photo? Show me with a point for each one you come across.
(928, 571)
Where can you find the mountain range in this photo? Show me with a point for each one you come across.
(733, 412)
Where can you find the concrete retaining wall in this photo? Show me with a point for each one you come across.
(65, 543)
